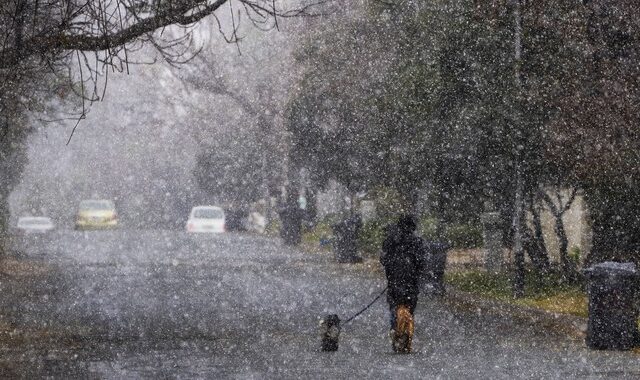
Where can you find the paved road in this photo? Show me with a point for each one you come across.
(164, 304)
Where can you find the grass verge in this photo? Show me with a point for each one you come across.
(543, 292)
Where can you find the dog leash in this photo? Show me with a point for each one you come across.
(366, 307)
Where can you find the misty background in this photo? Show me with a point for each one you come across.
(141, 150)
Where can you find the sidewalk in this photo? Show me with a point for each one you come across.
(572, 326)
(567, 324)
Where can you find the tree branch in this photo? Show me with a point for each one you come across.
(92, 28)
(65, 41)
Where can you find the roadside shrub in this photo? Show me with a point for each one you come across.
(427, 228)
(273, 227)
(458, 235)
(464, 236)
(388, 203)
(371, 237)
(321, 231)
(575, 255)
(548, 292)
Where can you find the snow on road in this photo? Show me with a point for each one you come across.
(143, 304)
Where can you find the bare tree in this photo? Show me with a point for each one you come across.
(98, 35)
(558, 208)
(537, 247)
(109, 25)
(261, 109)
(68, 47)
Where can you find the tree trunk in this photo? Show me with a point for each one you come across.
(312, 207)
(569, 272)
(538, 238)
(539, 259)
(13, 133)
(4, 219)
(518, 248)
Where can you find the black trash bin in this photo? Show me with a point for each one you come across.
(339, 241)
(433, 278)
(345, 235)
(613, 315)
(291, 231)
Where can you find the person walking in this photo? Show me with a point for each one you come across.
(404, 260)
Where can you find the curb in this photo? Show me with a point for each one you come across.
(567, 324)
(572, 325)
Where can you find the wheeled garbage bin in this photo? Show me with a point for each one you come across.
(345, 235)
(613, 317)
(433, 278)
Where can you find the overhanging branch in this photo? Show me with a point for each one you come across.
(104, 26)
(62, 40)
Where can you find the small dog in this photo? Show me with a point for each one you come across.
(403, 335)
(330, 332)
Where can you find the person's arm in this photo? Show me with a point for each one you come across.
(384, 257)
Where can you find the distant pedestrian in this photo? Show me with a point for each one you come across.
(404, 260)
(291, 218)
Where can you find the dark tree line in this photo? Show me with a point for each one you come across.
(440, 110)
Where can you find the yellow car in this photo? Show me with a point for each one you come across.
(96, 214)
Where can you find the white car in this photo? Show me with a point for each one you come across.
(206, 219)
(35, 224)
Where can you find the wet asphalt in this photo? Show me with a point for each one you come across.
(129, 304)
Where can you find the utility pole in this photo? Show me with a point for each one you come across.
(518, 214)
(264, 165)
(265, 188)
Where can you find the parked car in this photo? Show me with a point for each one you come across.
(206, 219)
(96, 214)
(34, 224)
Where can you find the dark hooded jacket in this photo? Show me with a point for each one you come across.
(403, 259)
